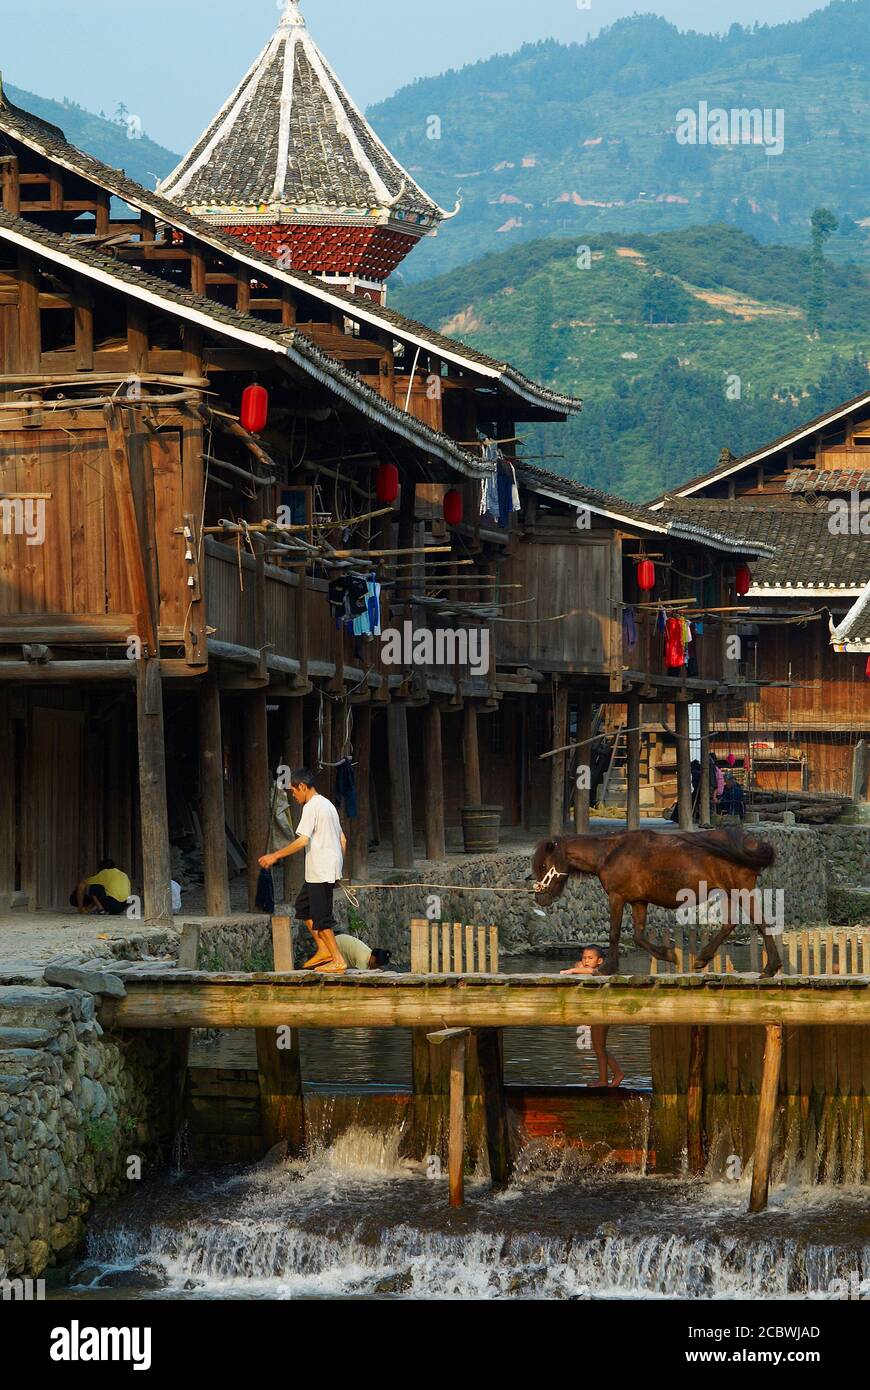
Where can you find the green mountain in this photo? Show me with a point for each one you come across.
(112, 140)
(680, 344)
(560, 137)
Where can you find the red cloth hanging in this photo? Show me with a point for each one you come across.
(675, 652)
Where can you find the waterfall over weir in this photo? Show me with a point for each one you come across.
(355, 1220)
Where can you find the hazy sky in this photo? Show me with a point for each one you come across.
(174, 62)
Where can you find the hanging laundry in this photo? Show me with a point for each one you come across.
(516, 504)
(661, 620)
(345, 788)
(675, 651)
(374, 605)
(504, 484)
(629, 628)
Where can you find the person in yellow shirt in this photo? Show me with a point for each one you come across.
(105, 891)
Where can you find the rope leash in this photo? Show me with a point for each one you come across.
(351, 891)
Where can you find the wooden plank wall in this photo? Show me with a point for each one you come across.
(823, 1125)
(560, 575)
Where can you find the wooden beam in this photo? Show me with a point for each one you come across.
(360, 830)
(695, 1100)
(557, 764)
(766, 1117)
(11, 185)
(153, 809)
(293, 756)
(471, 756)
(83, 310)
(211, 792)
(632, 794)
(133, 542)
(282, 1107)
(498, 1144)
(209, 1001)
(256, 760)
(400, 787)
(583, 795)
(29, 328)
(457, 1038)
(188, 950)
(705, 800)
(684, 765)
(8, 836)
(434, 783)
(137, 336)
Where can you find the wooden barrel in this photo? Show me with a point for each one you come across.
(481, 827)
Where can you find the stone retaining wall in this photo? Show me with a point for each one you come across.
(74, 1107)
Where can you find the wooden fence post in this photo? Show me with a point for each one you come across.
(766, 1117)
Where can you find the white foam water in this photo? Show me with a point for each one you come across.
(356, 1221)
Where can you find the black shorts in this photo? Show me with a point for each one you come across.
(314, 904)
(96, 896)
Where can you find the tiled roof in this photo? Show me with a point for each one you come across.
(809, 552)
(568, 489)
(829, 479)
(289, 141)
(853, 633)
(292, 343)
(50, 141)
(726, 470)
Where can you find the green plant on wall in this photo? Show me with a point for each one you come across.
(100, 1134)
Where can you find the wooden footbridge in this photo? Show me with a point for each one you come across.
(469, 1010)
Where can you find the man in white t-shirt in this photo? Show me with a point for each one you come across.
(320, 835)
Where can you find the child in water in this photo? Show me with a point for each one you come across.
(590, 962)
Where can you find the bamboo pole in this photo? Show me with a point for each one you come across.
(766, 1117)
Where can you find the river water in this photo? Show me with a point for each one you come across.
(354, 1219)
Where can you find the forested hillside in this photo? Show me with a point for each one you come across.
(680, 344)
(560, 137)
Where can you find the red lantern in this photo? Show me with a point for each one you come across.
(646, 576)
(453, 507)
(387, 483)
(255, 409)
(742, 581)
(867, 669)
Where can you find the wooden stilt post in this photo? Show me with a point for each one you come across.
(695, 1100)
(282, 1107)
(557, 764)
(583, 793)
(471, 756)
(188, 959)
(684, 765)
(632, 796)
(360, 830)
(458, 1040)
(434, 800)
(153, 809)
(7, 802)
(256, 787)
(489, 1054)
(705, 800)
(211, 791)
(766, 1117)
(400, 786)
(293, 757)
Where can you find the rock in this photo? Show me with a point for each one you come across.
(91, 981)
(26, 1037)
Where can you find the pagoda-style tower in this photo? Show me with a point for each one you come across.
(291, 165)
